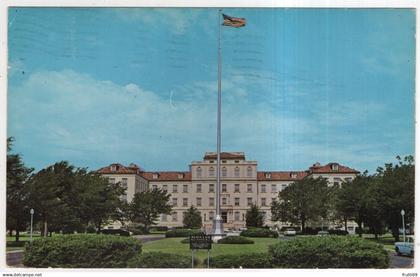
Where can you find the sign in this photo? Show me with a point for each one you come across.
(200, 242)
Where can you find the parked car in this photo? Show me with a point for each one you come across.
(405, 248)
(323, 233)
(118, 232)
(289, 232)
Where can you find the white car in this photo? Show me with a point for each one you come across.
(290, 232)
(405, 248)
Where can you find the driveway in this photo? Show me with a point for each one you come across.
(148, 238)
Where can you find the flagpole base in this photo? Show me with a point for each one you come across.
(217, 232)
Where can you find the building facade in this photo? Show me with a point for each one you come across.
(241, 186)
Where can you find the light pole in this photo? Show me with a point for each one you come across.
(32, 220)
(402, 215)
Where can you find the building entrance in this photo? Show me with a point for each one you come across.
(224, 217)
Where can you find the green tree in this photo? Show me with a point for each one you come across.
(192, 218)
(303, 200)
(17, 210)
(254, 217)
(146, 207)
(396, 190)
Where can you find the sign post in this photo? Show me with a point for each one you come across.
(32, 220)
(402, 214)
(200, 242)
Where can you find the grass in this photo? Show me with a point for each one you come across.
(22, 237)
(174, 245)
(386, 240)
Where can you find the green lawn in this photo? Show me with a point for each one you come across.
(22, 237)
(386, 240)
(173, 245)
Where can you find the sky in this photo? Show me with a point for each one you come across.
(94, 86)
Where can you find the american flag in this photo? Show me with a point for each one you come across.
(233, 21)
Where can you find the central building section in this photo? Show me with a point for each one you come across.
(238, 187)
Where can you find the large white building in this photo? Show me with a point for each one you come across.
(241, 185)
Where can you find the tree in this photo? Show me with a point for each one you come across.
(17, 215)
(304, 200)
(254, 217)
(192, 218)
(396, 192)
(146, 207)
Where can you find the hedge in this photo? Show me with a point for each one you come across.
(259, 233)
(235, 240)
(160, 260)
(338, 232)
(251, 260)
(182, 233)
(15, 243)
(81, 251)
(137, 229)
(328, 252)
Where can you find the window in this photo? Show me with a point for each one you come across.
(211, 171)
(293, 175)
(249, 188)
(185, 202)
(211, 187)
(334, 167)
(137, 188)
(124, 186)
(273, 200)
(249, 171)
(236, 172)
(264, 215)
(180, 175)
(175, 202)
(199, 171)
(348, 179)
(174, 216)
(211, 161)
(175, 188)
(263, 202)
(224, 172)
(223, 161)
(237, 201)
(154, 187)
(243, 217)
(284, 186)
(211, 215)
(211, 201)
(198, 187)
(224, 201)
(273, 188)
(236, 187)
(236, 162)
(198, 201)
(224, 187)
(268, 175)
(263, 188)
(164, 218)
(165, 188)
(337, 181)
(185, 188)
(205, 217)
(155, 176)
(113, 168)
(112, 180)
(249, 201)
(237, 216)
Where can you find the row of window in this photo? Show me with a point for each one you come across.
(237, 201)
(223, 172)
(237, 216)
(224, 188)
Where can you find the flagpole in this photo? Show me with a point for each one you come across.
(217, 224)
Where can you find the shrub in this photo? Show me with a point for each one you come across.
(81, 251)
(259, 233)
(182, 233)
(251, 260)
(159, 228)
(187, 240)
(235, 240)
(160, 260)
(90, 229)
(328, 252)
(310, 231)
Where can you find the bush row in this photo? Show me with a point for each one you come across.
(81, 251)
(235, 240)
(328, 252)
(251, 260)
(259, 233)
(160, 260)
(182, 233)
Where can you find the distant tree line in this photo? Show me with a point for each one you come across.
(374, 200)
(69, 199)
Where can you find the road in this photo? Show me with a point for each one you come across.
(400, 261)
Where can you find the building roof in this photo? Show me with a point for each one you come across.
(120, 169)
(167, 176)
(225, 156)
(281, 175)
(328, 168)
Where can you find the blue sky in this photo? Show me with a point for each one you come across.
(96, 86)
